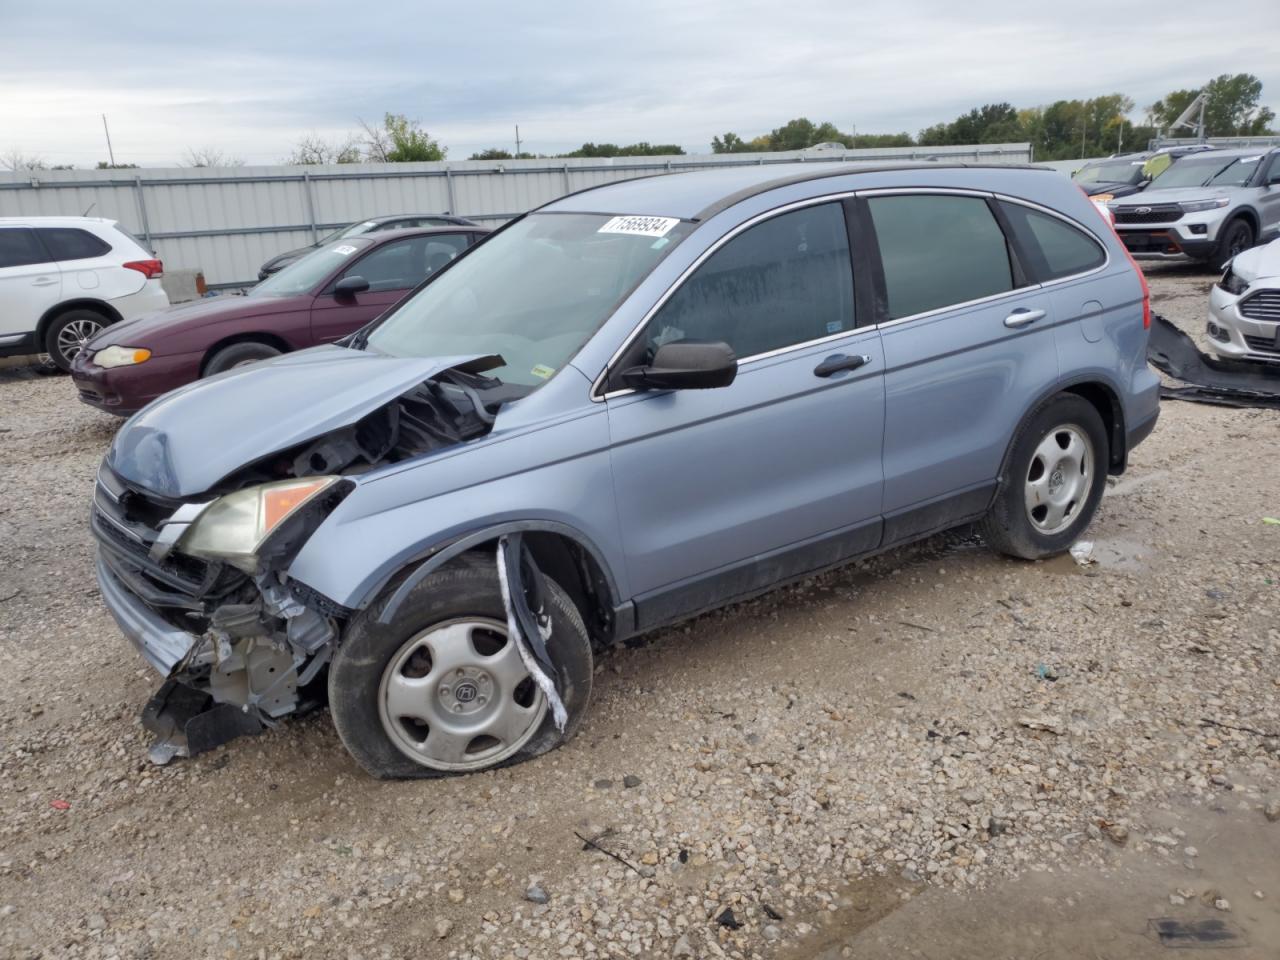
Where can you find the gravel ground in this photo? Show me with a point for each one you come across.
(925, 727)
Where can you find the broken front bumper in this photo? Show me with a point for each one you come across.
(160, 643)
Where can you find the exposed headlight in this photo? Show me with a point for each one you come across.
(1191, 206)
(1232, 283)
(114, 356)
(235, 527)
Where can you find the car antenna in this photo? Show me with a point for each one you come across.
(88, 208)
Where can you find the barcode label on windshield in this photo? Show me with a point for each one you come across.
(640, 226)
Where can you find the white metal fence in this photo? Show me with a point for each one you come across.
(228, 221)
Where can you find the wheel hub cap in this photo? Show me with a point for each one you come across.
(457, 696)
(1059, 478)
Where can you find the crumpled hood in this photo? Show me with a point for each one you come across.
(1258, 262)
(139, 331)
(1150, 197)
(184, 443)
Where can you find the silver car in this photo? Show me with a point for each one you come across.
(1244, 307)
(1208, 207)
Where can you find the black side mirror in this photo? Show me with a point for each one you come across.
(350, 286)
(685, 366)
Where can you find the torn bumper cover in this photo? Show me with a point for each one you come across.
(161, 644)
(1232, 383)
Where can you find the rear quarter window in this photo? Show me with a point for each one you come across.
(70, 243)
(1053, 248)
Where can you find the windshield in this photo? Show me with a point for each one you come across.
(1115, 171)
(306, 273)
(353, 230)
(1206, 171)
(533, 293)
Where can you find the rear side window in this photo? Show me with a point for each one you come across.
(69, 243)
(938, 250)
(19, 247)
(1052, 247)
(784, 281)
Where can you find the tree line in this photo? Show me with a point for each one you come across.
(1064, 129)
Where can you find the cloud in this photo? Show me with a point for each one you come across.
(252, 78)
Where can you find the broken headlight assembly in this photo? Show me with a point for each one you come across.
(234, 528)
(1233, 283)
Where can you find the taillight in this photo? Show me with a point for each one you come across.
(1109, 218)
(148, 268)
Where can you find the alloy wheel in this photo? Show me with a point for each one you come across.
(73, 337)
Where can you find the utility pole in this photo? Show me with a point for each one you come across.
(1120, 137)
(107, 131)
(517, 141)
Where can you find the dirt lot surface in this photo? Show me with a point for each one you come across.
(939, 753)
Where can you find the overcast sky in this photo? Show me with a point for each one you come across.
(251, 78)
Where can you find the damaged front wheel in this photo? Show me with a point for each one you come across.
(443, 687)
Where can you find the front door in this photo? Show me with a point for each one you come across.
(724, 492)
(392, 269)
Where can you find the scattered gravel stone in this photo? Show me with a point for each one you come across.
(535, 894)
(630, 781)
(443, 926)
(1272, 810)
(1117, 833)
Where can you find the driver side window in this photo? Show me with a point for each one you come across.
(784, 281)
(405, 263)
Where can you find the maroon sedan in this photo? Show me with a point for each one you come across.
(319, 298)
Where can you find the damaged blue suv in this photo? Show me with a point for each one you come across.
(629, 406)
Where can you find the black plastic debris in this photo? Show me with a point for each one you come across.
(1230, 383)
(727, 919)
(771, 913)
(1195, 934)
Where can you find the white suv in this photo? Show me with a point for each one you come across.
(62, 279)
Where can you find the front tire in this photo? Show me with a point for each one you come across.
(238, 355)
(1237, 237)
(1053, 480)
(442, 689)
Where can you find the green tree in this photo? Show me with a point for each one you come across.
(400, 140)
(641, 149)
(104, 165)
(732, 143)
(497, 153)
(1233, 107)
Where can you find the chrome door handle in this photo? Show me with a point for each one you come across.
(1022, 317)
(43, 282)
(837, 362)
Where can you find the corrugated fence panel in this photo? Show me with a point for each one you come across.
(228, 221)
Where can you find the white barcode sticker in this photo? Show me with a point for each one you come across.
(345, 250)
(640, 226)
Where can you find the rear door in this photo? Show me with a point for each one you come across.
(30, 283)
(87, 264)
(968, 341)
(392, 269)
(722, 492)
